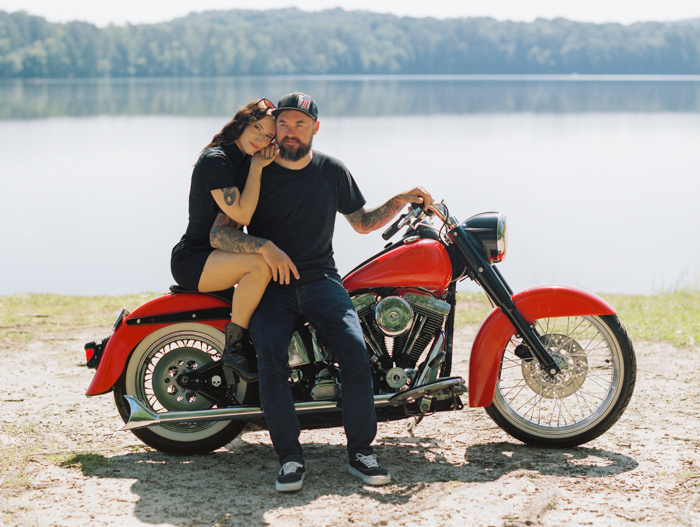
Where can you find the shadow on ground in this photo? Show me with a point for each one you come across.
(237, 487)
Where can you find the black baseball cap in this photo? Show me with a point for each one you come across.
(299, 102)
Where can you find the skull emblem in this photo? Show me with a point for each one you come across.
(216, 381)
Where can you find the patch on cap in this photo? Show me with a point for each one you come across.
(299, 102)
(304, 102)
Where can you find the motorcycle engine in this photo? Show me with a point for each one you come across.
(404, 324)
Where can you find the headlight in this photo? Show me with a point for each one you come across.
(490, 229)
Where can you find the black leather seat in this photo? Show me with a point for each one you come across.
(224, 295)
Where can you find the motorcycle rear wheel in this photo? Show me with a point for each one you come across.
(598, 372)
(150, 376)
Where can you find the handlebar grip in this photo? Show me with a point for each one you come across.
(393, 229)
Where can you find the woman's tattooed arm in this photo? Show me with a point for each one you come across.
(225, 235)
(230, 195)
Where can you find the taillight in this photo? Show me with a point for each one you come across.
(93, 352)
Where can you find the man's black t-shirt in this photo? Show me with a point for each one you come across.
(297, 211)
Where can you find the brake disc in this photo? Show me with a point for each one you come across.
(573, 364)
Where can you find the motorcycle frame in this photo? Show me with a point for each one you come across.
(513, 314)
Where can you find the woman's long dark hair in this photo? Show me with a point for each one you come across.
(251, 112)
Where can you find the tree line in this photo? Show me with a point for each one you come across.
(290, 41)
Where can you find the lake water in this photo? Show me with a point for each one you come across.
(598, 176)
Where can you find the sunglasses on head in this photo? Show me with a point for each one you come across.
(265, 104)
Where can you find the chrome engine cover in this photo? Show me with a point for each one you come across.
(394, 316)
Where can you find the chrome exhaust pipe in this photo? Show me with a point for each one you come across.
(141, 416)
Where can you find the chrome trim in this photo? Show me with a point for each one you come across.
(394, 315)
(409, 396)
(501, 235)
(319, 354)
(415, 333)
(428, 374)
(430, 303)
(377, 352)
(298, 354)
(124, 313)
(363, 301)
(141, 416)
(440, 210)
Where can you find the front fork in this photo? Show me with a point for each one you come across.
(497, 289)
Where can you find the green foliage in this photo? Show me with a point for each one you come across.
(17, 445)
(286, 41)
(472, 308)
(672, 317)
(85, 462)
(22, 316)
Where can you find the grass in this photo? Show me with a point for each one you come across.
(20, 445)
(22, 316)
(670, 317)
(86, 462)
(17, 445)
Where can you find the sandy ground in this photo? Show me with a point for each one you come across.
(458, 470)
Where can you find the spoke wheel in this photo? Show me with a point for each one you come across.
(151, 376)
(598, 370)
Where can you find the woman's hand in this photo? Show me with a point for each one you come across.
(264, 156)
(280, 264)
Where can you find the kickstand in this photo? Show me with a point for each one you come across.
(414, 423)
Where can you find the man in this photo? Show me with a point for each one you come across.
(302, 191)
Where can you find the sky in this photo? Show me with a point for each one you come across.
(149, 11)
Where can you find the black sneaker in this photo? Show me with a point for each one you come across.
(368, 470)
(290, 477)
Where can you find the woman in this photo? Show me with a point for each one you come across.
(245, 143)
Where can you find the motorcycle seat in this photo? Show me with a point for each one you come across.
(226, 294)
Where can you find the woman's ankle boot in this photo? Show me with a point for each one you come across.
(233, 358)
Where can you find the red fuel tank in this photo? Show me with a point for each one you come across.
(424, 263)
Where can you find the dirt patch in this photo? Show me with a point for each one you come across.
(73, 467)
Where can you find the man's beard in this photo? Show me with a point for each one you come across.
(295, 155)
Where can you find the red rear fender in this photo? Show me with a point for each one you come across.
(496, 330)
(127, 336)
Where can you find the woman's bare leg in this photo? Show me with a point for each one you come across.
(224, 270)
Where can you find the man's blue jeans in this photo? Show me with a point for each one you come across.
(328, 308)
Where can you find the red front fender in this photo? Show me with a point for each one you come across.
(127, 337)
(496, 330)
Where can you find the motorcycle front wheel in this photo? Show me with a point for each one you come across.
(150, 376)
(589, 395)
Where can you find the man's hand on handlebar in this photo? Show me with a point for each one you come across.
(417, 195)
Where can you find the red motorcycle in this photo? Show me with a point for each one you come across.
(552, 365)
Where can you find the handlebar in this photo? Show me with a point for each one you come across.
(416, 211)
(403, 220)
(393, 228)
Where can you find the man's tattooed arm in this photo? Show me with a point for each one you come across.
(226, 236)
(230, 195)
(366, 221)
